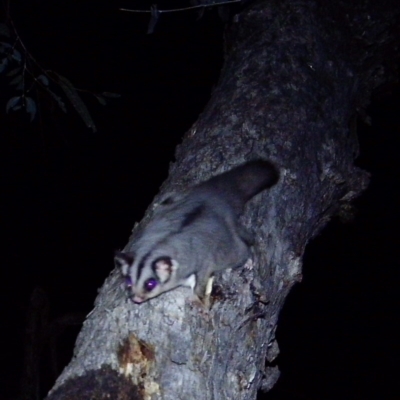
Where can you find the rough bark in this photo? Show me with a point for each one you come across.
(294, 75)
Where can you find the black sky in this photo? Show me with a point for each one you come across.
(70, 196)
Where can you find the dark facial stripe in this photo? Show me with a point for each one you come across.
(191, 216)
(168, 201)
(141, 265)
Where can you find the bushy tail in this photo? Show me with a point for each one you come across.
(245, 181)
(254, 176)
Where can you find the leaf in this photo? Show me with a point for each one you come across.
(12, 103)
(16, 55)
(3, 64)
(4, 46)
(4, 30)
(155, 14)
(20, 86)
(14, 71)
(58, 99)
(16, 80)
(76, 101)
(101, 100)
(43, 79)
(30, 107)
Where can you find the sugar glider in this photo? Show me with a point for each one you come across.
(195, 233)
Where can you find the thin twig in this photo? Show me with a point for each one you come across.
(183, 9)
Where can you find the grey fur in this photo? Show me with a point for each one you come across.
(194, 234)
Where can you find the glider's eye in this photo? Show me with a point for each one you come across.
(150, 284)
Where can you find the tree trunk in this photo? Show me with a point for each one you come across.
(294, 75)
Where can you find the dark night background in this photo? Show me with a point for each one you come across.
(70, 197)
